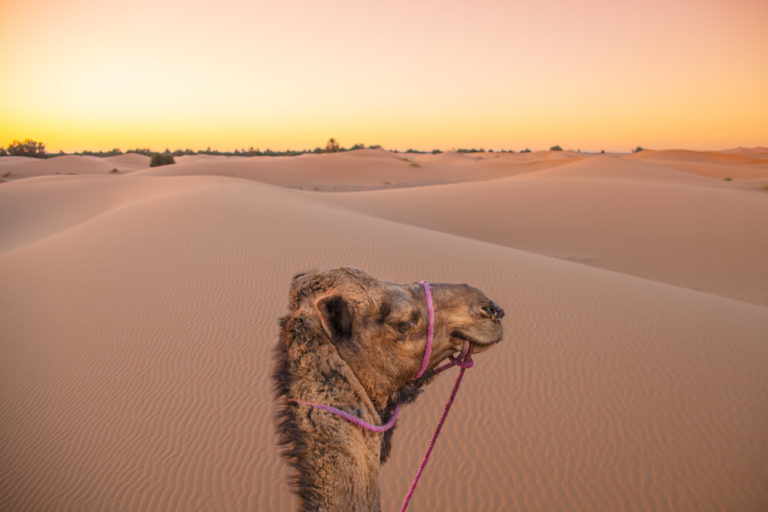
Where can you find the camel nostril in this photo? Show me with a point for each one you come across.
(493, 311)
(498, 312)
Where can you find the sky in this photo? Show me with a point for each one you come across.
(590, 75)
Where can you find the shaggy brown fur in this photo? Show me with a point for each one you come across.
(354, 342)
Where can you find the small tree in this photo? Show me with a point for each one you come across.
(161, 159)
(3, 152)
(638, 149)
(555, 148)
(359, 145)
(27, 148)
(332, 146)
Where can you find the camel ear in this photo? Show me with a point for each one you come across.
(335, 316)
(302, 285)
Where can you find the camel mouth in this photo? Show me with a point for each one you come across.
(477, 345)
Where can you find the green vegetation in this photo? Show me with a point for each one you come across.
(555, 148)
(112, 152)
(436, 151)
(526, 150)
(638, 149)
(27, 148)
(159, 159)
(141, 151)
(332, 146)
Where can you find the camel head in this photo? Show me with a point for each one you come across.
(380, 329)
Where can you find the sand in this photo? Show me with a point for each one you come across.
(26, 167)
(139, 312)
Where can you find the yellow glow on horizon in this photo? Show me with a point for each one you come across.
(90, 74)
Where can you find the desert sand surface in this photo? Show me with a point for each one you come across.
(140, 309)
(365, 169)
(14, 167)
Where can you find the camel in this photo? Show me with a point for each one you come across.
(355, 343)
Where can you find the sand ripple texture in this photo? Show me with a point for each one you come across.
(136, 352)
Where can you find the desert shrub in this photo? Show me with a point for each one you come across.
(140, 151)
(602, 151)
(359, 145)
(436, 151)
(526, 150)
(555, 148)
(332, 146)
(27, 148)
(159, 159)
(764, 185)
(87, 152)
(114, 171)
(638, 149)
(727, 178)
(3, 152)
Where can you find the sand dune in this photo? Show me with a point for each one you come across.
(129, 160)
(682, 155)
(26, 167)
(139, 314)
(708, 163)
(349, 171)
(37, 208)
(756, 152)
(646, 220)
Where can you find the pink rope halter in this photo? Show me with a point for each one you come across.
(463, 361)
(430, 329)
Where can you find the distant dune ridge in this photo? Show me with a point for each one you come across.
(139, 311)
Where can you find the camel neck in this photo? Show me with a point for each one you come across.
(336, 463)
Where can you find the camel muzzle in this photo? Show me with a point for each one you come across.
(493, 311)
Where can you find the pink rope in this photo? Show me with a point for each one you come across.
(352, 418)
(464, 361)
(430, 329)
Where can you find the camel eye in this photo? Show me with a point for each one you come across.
(404, 326)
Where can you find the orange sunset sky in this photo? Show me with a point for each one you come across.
(96, 74)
